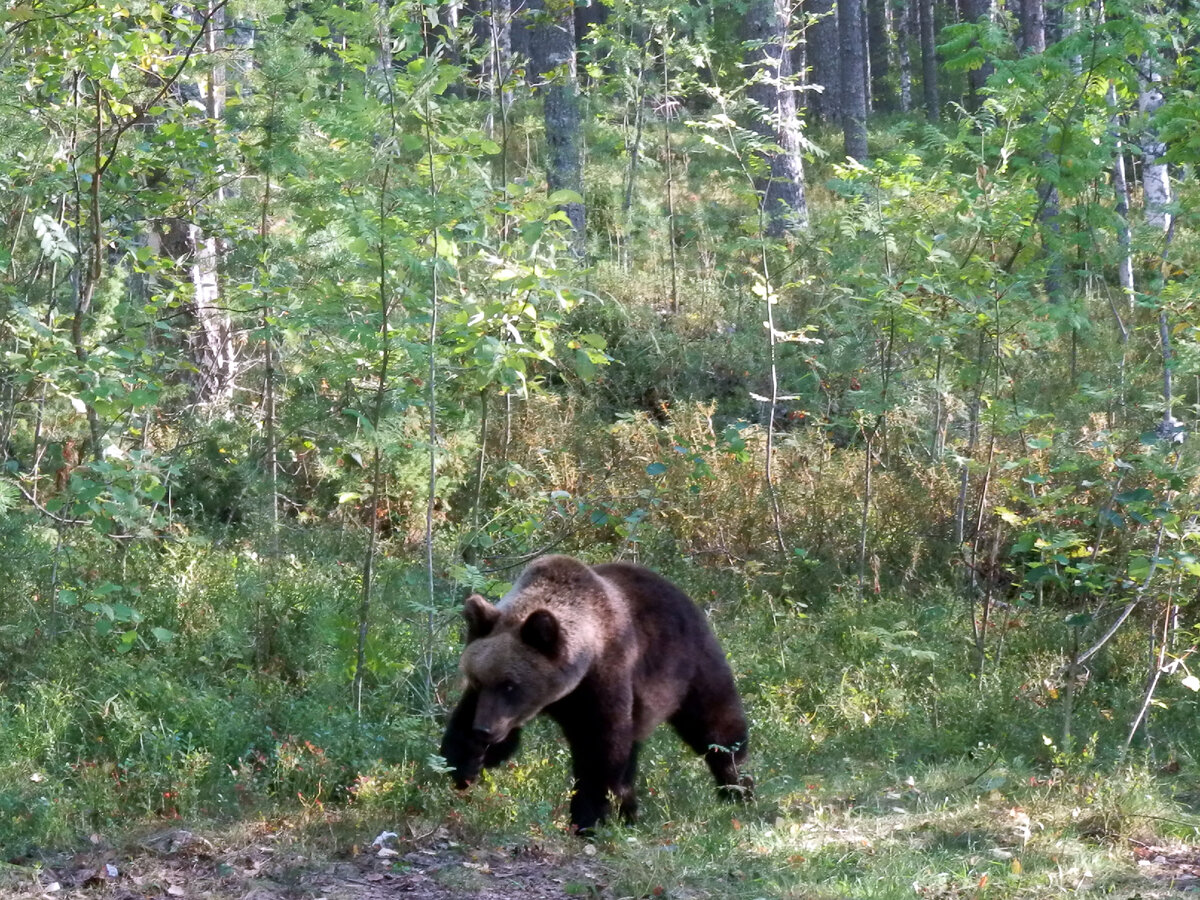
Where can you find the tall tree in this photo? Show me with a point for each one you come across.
(1156, 182)
(904, 33)
(1033, 40)
(493, 28)
(879, 48)
(854, 78)
(553, 42)
(929, 66)
(978, 11)
(825, 56)
(1033, 26)
(773, 93)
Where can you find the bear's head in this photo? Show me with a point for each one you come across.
(519, 663)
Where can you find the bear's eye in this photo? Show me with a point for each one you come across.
(508, 688)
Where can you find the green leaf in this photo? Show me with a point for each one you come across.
(584, 366)
(162, 635)
(1139, 568)
(1140, 495)
(656, 468)
(563, 197)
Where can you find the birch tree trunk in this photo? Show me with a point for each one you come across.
(209, 342)
(773, 92)
(904, 34)
(1124, 231)
(1156, 182)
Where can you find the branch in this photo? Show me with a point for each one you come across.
(45, 512)
(17, 26)
(140, 111)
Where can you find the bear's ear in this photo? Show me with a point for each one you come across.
(540, 631)
(481, 617)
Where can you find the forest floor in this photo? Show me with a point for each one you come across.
(268, 861)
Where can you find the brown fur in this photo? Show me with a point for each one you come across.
(609, 652)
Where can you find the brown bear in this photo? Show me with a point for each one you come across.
(608, 652)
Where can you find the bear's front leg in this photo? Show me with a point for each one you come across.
(603, 758)
(602, 772)
(464, 752)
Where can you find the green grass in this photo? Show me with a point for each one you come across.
(884, 766)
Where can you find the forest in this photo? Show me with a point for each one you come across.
(873, 325)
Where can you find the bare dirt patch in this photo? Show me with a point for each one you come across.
(179, 864)
(1177, 868)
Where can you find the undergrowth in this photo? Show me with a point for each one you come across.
(883, 760)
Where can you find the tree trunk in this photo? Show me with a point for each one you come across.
(1033, 26)
(1033, 37)
(520, 33)
(214, 43)
(494, 28)
(1156, 182)
(588, 14)
(771, 90)
(977, 78)
(904, 33)
(854, 78)
(1124, 231)
(824, 53)
(555, 34)
(929, 66)
(209, 343)
(877, 33)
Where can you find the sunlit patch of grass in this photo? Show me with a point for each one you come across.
(939, 831)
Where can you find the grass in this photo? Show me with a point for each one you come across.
(885, 767)
(939, 831)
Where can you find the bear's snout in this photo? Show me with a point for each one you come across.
(486, 736)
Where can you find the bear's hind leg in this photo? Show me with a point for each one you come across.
(721, 736)
(627, 802)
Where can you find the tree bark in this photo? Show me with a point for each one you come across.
(1033, 26)
(929, 66)
(588, 14)
(494, 28)
(555, 33)
(772, 92)
(977, 78)
(854, 78)
(824, 52)
(1156, 182)
(877, 38)
(209, 343)
(1124, 231)
(904, 34)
